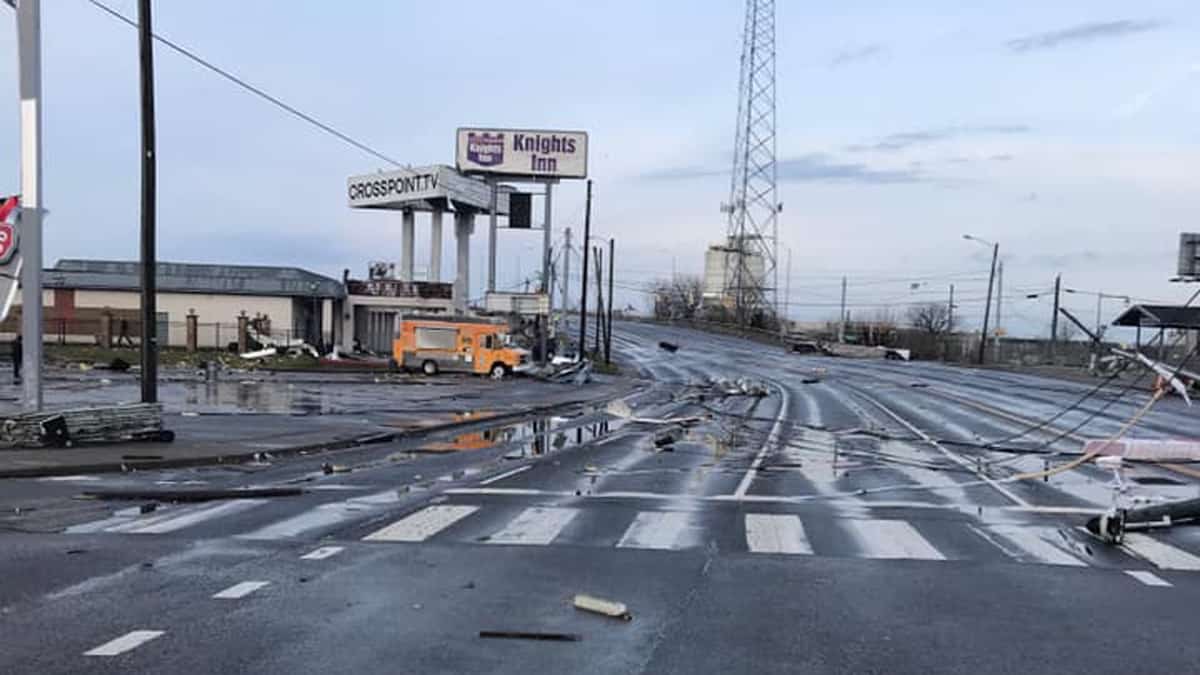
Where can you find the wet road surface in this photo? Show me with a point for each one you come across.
(846, 522)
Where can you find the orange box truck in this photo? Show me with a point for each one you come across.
(458, 345)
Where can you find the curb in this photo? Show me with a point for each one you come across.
(311, 448)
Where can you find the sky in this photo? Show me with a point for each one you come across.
(1063, 131)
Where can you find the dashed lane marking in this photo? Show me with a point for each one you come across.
(241, 590)
(507, 474)
(126, 642)
(322, 553)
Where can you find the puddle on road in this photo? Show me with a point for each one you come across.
(529, 438)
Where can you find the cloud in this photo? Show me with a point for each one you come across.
(907, 139)
(810, 168)
(1003, 157)
(1084, 32)
(857, 54)
(820, 168)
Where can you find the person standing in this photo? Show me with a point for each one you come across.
(17, 356)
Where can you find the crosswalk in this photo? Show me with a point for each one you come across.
(847, 535)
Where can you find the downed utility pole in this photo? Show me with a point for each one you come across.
(1111, 526)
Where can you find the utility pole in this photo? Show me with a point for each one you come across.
(566, 273)
(29, 54)
(999, 319)
(1099, 300)
(612, 254)
(1054, 318)
(950, 312)
(787, 297)
(149, 262)
(987, 308)
(599, 297)
(492, 206)
(587, 232)
(842, 316)
(547, 285)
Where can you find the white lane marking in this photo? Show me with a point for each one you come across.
(655, 529)
(168, 522)
(507, 474)
(299, 524)
(130, 640)
(423, 524)
(1032, 544)
(772, 440)
(336, 487)
(844, 499)
(776, 533)
(322, 553)
(535, 526)
(1148, 578)
(1159, 554)
(67, 479)
(891, 539)
(955, 457)
(241, 590)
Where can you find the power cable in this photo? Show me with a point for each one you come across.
(251, 88)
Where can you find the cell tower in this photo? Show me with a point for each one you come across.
(751, 275)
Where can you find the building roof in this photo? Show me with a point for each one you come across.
(114, 275)
(1160, 316)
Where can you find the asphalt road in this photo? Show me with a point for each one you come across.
(846, 523)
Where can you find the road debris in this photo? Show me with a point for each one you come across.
(668, 346)
(191, 495)
(529, 635)
(590, 603)
(100, 424)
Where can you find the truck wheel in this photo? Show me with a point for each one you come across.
(429, 368)
(498, 371)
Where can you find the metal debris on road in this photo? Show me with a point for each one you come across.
(63, 428)
(529, 635)
(589, 603)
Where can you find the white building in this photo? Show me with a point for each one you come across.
(720, 271)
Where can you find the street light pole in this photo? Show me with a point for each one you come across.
(29, 55)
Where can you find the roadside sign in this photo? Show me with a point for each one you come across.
(10, 260)
(529, 153)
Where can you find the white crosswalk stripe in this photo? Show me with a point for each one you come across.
(1161, 555)
(776, 533)
(1031, 544)
(130, 521)
(423, 524)
(656, 529)
(535, 526)
(890, 539)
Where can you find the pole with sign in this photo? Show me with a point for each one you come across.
(29, 53)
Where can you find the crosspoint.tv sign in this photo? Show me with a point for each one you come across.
(523, 152)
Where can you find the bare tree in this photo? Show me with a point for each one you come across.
(678, 298)
(932, 317)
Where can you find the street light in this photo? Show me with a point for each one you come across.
(991, 280)
(1100, 296)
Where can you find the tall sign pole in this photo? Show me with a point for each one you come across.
(547, 285)
(29, 53)
(149, 263)
(987, 307)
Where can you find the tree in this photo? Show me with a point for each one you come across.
(932, 317)
(678, 298)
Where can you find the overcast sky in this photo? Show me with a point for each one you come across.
(1066, 131)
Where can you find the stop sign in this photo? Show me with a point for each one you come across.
(8, 242)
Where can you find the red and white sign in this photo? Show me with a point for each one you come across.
(8, 232)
